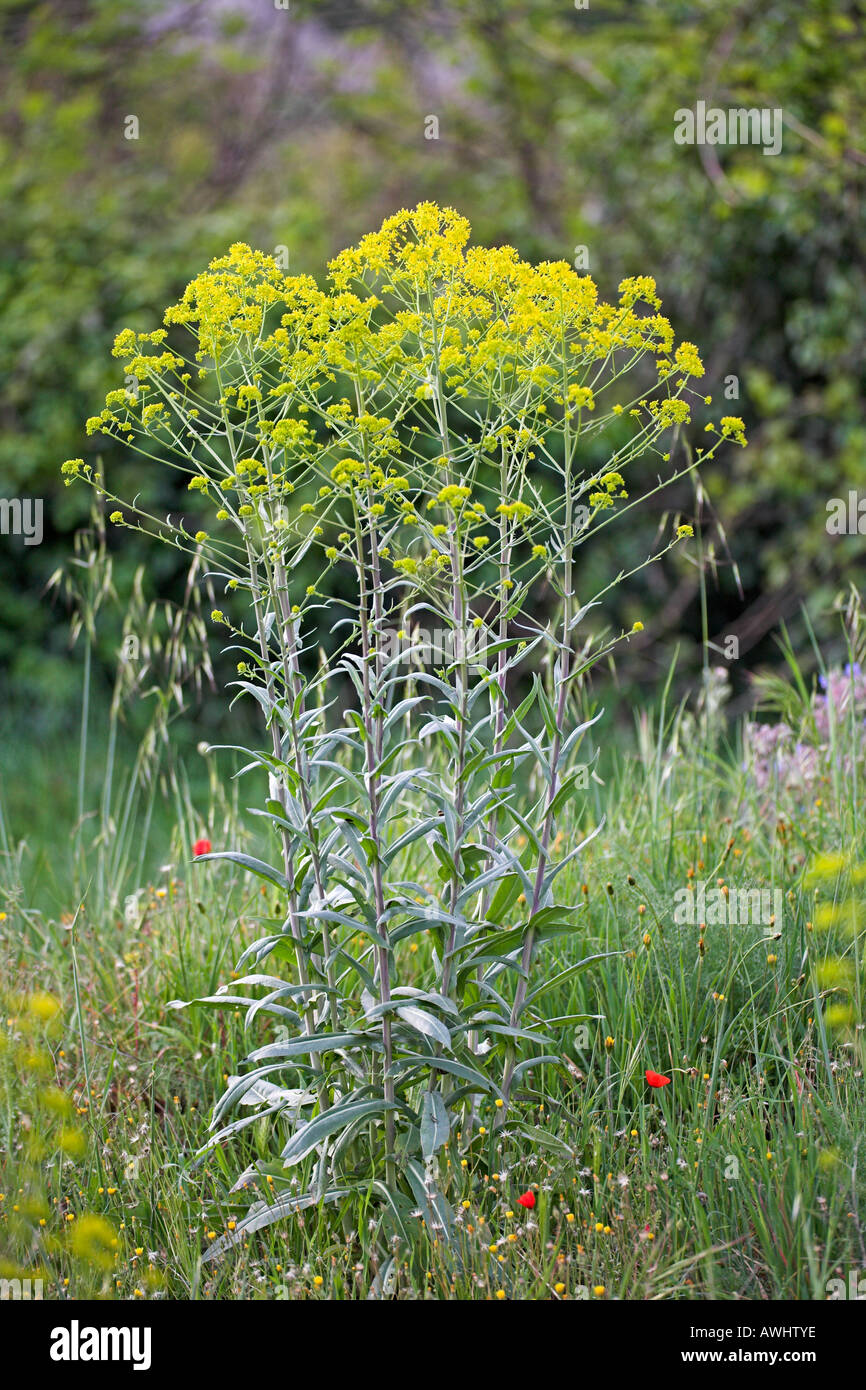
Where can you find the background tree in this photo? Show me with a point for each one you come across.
(297, 129)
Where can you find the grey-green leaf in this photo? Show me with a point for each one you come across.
(427, 1024)
(310, 1135)
(435, 1123)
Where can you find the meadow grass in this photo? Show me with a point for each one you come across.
(739, 1180)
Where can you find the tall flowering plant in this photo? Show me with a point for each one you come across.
(423, 426)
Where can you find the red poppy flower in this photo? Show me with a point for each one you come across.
(201, 847)
(655, 1079)
(526, 1199)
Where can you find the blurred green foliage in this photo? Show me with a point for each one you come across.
(303, 127)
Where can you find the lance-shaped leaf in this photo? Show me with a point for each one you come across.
(420, 1061)
(246, 861)
(297, 1047)
(263, 1214)
(434, 1208)
(312, 1134)
(435, 1123)
(427, 1024)
(555, 981)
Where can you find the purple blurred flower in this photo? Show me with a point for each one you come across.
(797, 766)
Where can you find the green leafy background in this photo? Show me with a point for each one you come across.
(303, 128)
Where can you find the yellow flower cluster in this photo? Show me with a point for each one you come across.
(229, 300)
(581, 398)
(672, 411)
(453, 496)
(610, 486)
(514, 511)
(733, 427)
(688, 360)
(410, 250)
(414, 319)
(351, 473)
